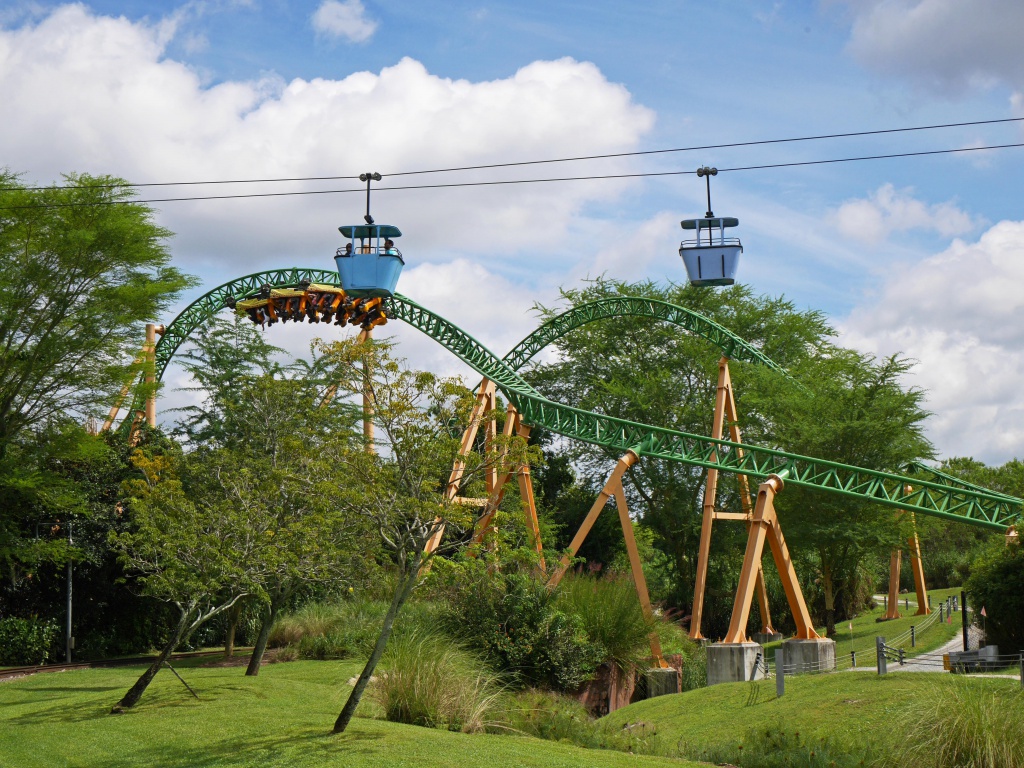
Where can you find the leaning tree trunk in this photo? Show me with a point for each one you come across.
(269, 616)
(402, 593)
(131, 698)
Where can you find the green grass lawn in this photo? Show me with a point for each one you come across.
(866, 628)
(281, 718)
(846, 708)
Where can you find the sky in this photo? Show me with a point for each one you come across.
(921, 256)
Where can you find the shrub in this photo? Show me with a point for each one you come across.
(997, 583)
(513, 620)
(610, 613)
(27, 641)
(428, 681)
(964, 723)
(346, 628)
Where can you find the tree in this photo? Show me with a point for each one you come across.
(280, 437)
(997, 585)
(655, 373)
(81, 269)
(185, 545)
(850, 409)
(399, 487)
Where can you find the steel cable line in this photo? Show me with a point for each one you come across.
(456, 184)
(490, 166)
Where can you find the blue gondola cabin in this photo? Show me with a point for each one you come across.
(711, 258)
(369, 264)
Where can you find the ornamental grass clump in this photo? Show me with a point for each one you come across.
(972, 723)
(611, 616)
(428, 681)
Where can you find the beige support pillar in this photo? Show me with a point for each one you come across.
(765, 525)
(1012, 538)
(918, 570)
(366, 335)
(614, 489)
(151, 331)
(529, 503)
(895, 566)
(725, 411)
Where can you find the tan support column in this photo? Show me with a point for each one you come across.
(725, 412)
(765, 525)
(892, 611)
(615, 479)
(529, 503)
(151, 374)
(918, 570)
(1012, 538)
(710, 493)
(366, 335)
(498, 493)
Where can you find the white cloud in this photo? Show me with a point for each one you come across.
(345, 19)
(947, 45)
(958, 314)
(100, 94)
(871, 220)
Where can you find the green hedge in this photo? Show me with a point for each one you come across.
(27, 641)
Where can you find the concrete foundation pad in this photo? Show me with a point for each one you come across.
(734, 662)
(803, 656)
(767, 637)
(662, 681)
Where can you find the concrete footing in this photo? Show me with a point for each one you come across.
(767, 637)
(803, 656)
(662, 681)
(734, 662)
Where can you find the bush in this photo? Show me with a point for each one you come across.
(997, 584)
(428, 681)
(610, 613)
(27, 641)
(965, 723)
(775, 747)
(513, 620)
(345, 629)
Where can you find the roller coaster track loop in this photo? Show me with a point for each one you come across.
(953, 501)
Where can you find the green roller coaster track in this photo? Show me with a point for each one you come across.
(936, 495)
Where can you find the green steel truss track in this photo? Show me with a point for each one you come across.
(732, 346)
(946, 498)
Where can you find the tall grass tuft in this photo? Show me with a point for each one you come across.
(967, 723)
(611, 616)
(346, 628)
(428, 681)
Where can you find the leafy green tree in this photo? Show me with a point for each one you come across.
(997, 585)
(82, 268)
(655, 373)
(185, 546)
(399, 487)
(854, 410)
(275, 439)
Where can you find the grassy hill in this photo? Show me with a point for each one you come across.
(843, 716)
(281, 718)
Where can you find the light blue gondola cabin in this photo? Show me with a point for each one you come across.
(711, 259)
(367, 264)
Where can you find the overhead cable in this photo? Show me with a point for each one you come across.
(490, 166)
(501, 182)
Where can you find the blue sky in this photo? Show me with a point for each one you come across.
(918, 255)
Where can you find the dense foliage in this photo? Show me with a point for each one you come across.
(997, 585)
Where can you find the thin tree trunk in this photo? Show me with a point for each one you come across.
(233, 618)
(135, 692)
(269, 616)
(402, 593)
(830, 600)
